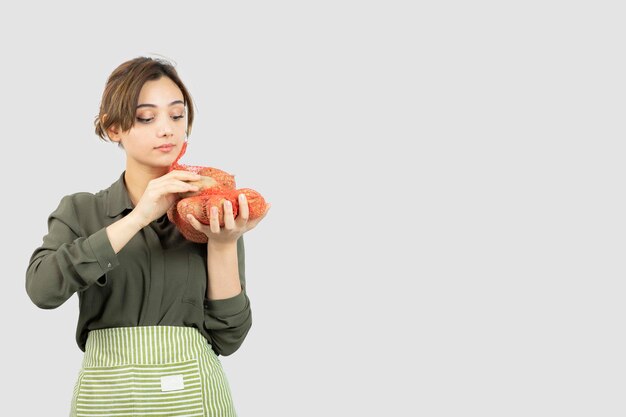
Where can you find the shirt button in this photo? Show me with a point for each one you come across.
(109, 265)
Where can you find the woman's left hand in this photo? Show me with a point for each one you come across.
(233, 228)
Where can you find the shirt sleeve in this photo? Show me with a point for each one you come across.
(229, 320)
(67, 261)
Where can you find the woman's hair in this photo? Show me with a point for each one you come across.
(121, 93)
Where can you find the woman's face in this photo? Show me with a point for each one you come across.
(160, 119)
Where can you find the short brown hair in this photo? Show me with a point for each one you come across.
(121, 93)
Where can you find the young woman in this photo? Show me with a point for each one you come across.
(156, 310)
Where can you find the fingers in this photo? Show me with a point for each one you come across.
(175, 183)
(214, 220)
(183, 175)
(252, 223)
(226, 220)
(176, 187)
(244, 211)
(194, 222)
(229, 216)
(230, 227)
(179, 176)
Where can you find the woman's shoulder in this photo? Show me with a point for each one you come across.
(78, 205)
(83, 198)
(84, 212)
(88, 203)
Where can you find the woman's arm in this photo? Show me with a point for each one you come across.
(123, 230)
(69, 261)
(222, 265)
(228, 320)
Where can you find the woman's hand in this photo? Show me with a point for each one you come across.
(233, 228)
(161, 193)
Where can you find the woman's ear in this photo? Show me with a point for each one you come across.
(113, 133)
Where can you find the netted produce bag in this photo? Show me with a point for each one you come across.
(216, 186)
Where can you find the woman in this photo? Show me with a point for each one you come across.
(155, 309)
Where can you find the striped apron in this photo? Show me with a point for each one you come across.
(150, 371)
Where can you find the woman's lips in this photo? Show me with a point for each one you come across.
(165, 148)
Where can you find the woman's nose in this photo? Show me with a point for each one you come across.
(165, 129)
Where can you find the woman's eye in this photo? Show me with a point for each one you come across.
(148, 120)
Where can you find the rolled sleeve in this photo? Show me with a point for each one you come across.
(67, 261)
(229, 320)
(103, 250)
(227, 307)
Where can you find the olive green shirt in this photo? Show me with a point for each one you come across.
(157, 278)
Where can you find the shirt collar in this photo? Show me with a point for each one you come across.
(118, 199)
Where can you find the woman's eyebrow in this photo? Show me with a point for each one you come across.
(152, 105)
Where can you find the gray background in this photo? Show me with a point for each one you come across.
(447, 230)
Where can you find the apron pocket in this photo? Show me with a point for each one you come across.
(172, 389)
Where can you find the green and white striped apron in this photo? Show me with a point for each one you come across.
(150, 371)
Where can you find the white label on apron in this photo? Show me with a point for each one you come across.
(172, 383)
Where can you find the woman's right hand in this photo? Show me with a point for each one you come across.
(161, 193)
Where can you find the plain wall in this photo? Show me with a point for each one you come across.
(447, 180)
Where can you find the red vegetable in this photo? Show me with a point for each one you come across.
(216, 187)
